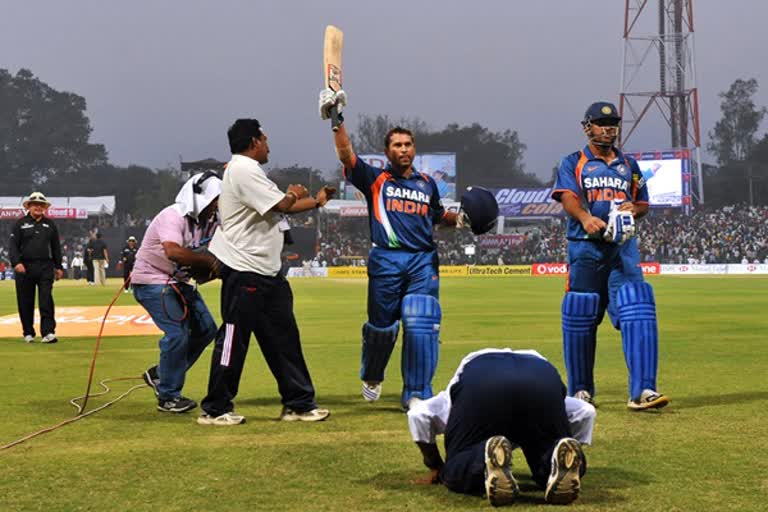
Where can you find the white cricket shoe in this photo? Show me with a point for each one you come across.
(49, 338)
(225, 420)
(584, 396)
(649, 399)
(315, 414)
(371, 391)
(564, 481)
(500, 486)
(29, 338)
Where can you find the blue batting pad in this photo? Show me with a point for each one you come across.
(580, 311)
(639, 335)
(378, 343)
(421, 316)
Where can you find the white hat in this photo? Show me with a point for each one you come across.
(197, 193)
(35, 197)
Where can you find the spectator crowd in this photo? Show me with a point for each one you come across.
(730, 234)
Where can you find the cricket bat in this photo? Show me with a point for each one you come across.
(334, 40)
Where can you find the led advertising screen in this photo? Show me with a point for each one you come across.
(666, 175)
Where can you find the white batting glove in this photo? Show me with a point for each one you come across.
(329, 98)
(620, 225)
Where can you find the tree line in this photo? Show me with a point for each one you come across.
(45, 143)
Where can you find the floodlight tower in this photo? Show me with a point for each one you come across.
(659, 77)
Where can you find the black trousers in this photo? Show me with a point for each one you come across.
(89, 271)
(39, 274)
(127, 269)
(252, 303)
(518, 396)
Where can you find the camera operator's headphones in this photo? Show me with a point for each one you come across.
(197, 186)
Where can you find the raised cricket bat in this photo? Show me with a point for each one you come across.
(334, 40)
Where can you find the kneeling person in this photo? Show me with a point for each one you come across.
(162, 287)
(499, 399)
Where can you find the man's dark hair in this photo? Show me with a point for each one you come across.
(98, 235)
(241, 133)
(400, 130)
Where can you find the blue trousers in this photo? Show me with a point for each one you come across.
(518, 396)
(393, 274)
(602, 268)
(184, 338)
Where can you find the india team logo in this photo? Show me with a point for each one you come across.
(622, 169)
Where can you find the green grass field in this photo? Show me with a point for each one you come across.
(707, 451)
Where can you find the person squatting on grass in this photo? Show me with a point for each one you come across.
(497, 400)
(255, 297)
(161, 285)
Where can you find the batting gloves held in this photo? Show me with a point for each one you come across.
(329, 98)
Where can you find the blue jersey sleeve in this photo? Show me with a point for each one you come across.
(639, 184)
(362, 175)
(568, 177)
(436, 208)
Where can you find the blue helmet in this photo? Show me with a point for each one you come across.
(481, 208)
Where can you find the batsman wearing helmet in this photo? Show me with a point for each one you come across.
(403, 277)
(603, 192)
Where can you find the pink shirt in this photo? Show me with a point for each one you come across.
(152, 265)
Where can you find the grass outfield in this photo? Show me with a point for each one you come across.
(707, 451)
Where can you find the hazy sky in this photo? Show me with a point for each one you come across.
(166, 78)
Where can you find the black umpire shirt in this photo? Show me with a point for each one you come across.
(33, 240)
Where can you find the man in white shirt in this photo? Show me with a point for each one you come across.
(255, 297)
(499, 399)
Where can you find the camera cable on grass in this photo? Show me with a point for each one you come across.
(81, 413)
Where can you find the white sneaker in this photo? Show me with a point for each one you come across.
(315, 414)
(564, 481)
(225, 420)
(649, 399)
(49, 338)
(584, 396)
(29, 338)
(500, 486)
(371, 391)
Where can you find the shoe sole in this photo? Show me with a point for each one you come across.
(54, 340)
(563, 487)
(212, 422)
(661, 402)
(296, 417)
(500, 486)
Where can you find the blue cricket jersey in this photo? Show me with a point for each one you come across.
(597, 183)
(401, 211)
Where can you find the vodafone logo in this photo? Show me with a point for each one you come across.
(549, 269)
(650, 268)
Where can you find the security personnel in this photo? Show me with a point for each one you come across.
(36, 258)
(128, 258)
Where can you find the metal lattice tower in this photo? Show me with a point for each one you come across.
(659, 76)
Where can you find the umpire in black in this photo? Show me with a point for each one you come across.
(128, 257)
(35, 252)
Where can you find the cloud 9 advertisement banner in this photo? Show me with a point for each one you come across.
(527, 202)
(440, 166)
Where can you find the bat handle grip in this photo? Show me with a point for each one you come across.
(336, 119)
